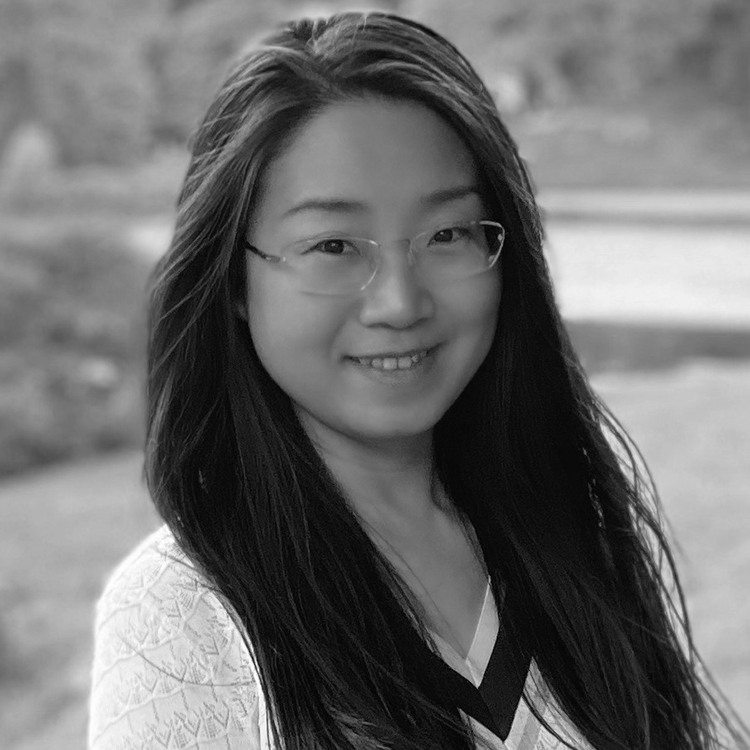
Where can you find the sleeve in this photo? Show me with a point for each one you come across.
(171, 670)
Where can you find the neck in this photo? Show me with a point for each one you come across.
(388, 482)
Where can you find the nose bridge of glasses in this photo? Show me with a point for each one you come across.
(395, 250)
(396, 254)
(391, 261)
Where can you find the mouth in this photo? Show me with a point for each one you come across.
(393, 361)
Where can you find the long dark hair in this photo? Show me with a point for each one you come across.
(563, 513)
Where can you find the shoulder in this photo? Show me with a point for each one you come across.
(156, 596)
(170, 659)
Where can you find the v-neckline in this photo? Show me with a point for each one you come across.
(488, 684)
(473, 665)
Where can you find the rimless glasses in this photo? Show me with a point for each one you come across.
(336, 264)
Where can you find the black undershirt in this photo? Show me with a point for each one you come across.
(494, 703)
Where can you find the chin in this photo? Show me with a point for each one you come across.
(398, 427)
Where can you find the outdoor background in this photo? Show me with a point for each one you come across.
(634, 118)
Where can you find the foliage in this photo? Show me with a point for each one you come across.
(83, 71)
(562, 49)
(143, 188)
(71, 341)
(193, 52)
(111, 78)
(659, 141)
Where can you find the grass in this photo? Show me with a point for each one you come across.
(62, 531)
(692, 423)
(693, 427)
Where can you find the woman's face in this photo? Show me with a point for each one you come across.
(385, 171)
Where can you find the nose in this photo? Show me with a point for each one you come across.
(395, 297)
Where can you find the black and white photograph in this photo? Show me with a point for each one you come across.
(375, 376)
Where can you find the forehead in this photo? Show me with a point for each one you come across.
(385, 156)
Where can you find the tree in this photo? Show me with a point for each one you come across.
(566, 49)
(556, 47)
(16, 100)
(192, 54)
(79, 68)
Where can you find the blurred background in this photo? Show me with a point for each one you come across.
(634, 118)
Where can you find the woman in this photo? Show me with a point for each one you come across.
(396, 515)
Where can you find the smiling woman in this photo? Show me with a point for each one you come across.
(395, 516)
(385, 357)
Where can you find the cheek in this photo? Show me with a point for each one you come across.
(292, 333)
(264, 322)
(481, 310)
(270, 320)
(481, 307)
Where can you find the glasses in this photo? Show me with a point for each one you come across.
(339, 264)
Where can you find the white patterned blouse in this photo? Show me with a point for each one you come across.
(172, 671)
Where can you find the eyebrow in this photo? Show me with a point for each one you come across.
(330, 205)
(448, 195)
(342, 205)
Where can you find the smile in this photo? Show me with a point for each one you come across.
(403, 362)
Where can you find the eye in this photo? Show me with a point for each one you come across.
(450, 234)
(333, 246)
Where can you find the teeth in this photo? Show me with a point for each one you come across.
(392, 363)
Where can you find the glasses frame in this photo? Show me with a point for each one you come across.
(412, 253)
